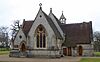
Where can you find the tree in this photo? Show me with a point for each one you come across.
(15, 27)
(4, 36)
(96, 36)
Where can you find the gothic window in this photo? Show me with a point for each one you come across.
(41, 38)
(37, 41)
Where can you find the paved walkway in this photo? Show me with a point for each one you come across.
(64, 59)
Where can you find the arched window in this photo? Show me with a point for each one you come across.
(41, 37)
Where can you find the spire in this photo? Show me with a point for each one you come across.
(62, 18)
(40, 6)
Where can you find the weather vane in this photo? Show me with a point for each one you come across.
(40, 4)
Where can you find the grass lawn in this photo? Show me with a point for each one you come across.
(4, 52)
(97, 53)
(90, 60)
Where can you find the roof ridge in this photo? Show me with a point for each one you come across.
(76, 23)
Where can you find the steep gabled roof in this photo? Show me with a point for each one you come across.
(57, 19)
(56, 22)
(13, 39)
(26, 26)
(79, 33)
(50, 21)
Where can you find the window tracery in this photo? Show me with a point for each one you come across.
(41, 37)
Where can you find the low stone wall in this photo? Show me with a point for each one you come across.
(45, 53)
(87, 49)
(14, 53)
(36, 53)
(87, 52)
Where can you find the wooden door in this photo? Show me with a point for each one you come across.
(80, 50)
(65, 51)
(23, 47)
(69, 51)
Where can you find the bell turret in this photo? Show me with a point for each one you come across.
(62, 19)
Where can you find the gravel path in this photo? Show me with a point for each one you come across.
(64, 59)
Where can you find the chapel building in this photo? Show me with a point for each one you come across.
(48, 36)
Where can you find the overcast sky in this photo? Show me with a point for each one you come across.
(75, 11)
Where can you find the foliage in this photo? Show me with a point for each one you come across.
(90, 60)
(4, 49)
(96, 36)
(97, 53)
(4, 36)
(15, 27)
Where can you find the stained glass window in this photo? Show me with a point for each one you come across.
(41, 38)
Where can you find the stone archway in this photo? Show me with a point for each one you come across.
(23, 47)
(80, 50)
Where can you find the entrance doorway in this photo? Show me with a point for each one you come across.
(67, 51)
(23, 47)
(80, 50)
